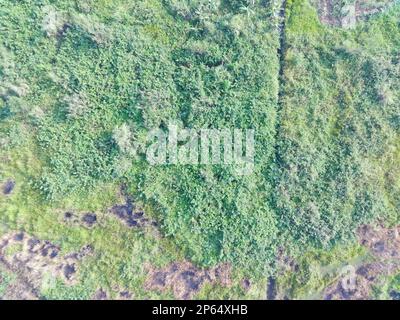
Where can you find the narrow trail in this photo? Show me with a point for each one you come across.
(271, 290)
(282, 46)
(281, 51)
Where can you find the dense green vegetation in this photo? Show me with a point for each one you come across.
(219, 73)
(83, 82)
(338, 146)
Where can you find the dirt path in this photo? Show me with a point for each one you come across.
(281, 51)
(282, 44)
(271, 291)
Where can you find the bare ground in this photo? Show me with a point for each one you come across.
(384, 245)
(34, 259)
(185, 280)
(362, 9)
(8, 187)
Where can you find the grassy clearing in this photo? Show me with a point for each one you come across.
(82, 83)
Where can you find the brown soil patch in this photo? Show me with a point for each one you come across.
(8, 187)
(325, 13)
(330, 14)
(86, 219)
(89, 219)
(114, 293)
(100, 294)
(19, 288)
(366, 276)
(246, 284)
(125, 295)
(185, 280)
(131, 214)
(36, 258)
(383, 242)
(384, 245)
(368, 8)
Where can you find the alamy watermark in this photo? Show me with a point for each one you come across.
(177, 146)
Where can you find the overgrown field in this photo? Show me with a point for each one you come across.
(82, 83)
